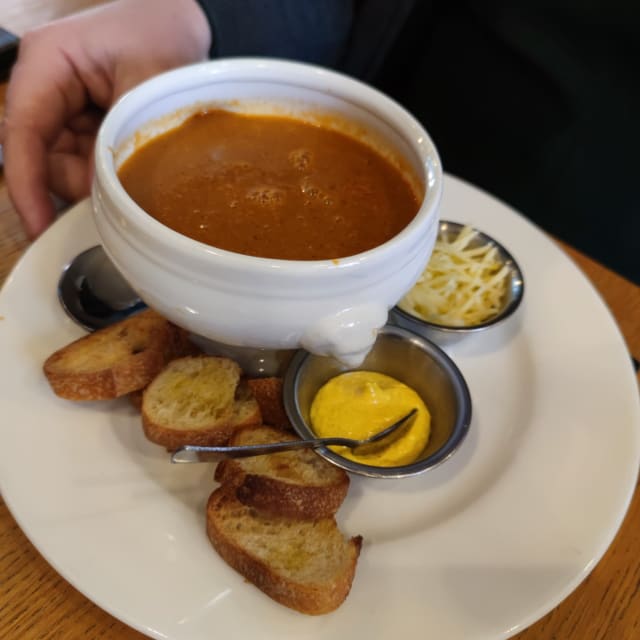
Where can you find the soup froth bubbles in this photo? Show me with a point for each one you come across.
(270, 187)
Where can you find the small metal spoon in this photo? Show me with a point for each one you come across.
(194, 453)
(94, 293)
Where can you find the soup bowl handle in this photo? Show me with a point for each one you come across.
(347, 335)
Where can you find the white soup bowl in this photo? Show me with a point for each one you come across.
(329, 307)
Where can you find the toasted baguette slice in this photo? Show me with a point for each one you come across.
(116, 360)
(268, 393)
(193, 401)
(303, 564)
(182, 347)
(135, 398)
(294, 484)
(246, 411)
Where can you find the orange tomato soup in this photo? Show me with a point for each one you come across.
(270, 186)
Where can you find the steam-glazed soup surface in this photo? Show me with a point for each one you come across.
(270, 186)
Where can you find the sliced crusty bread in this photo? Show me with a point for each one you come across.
(246, 410)
(116, 360)
(294, 484)
(268, 393)
(303, 564)
(196, 400)
(135, 398)
(183, 347)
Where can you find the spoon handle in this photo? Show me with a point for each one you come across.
(194, 453)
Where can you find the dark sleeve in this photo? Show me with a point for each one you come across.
(316, 32)
(537, 103)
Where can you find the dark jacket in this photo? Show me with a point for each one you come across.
(533, 102)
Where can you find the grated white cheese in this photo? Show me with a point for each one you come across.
(464, 283)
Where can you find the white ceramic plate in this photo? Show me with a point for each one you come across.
(478, 548)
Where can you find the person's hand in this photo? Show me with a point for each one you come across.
(67, 74)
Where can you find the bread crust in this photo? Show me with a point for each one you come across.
(296, 484)
(294, 501)
(107, 384)
(268, 393)
(173, 439)
(116, 360)
(309, 598)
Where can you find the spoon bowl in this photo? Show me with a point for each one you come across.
(94, 293)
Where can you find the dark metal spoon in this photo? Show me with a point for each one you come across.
(94, 293)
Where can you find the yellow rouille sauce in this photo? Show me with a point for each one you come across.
(358, 404)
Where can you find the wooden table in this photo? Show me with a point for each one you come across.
(36, 603)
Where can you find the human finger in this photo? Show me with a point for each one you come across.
(39, 100)
(71, 142)
(69, 176)
(86, 122)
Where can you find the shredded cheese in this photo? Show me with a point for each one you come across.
(464, 283)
